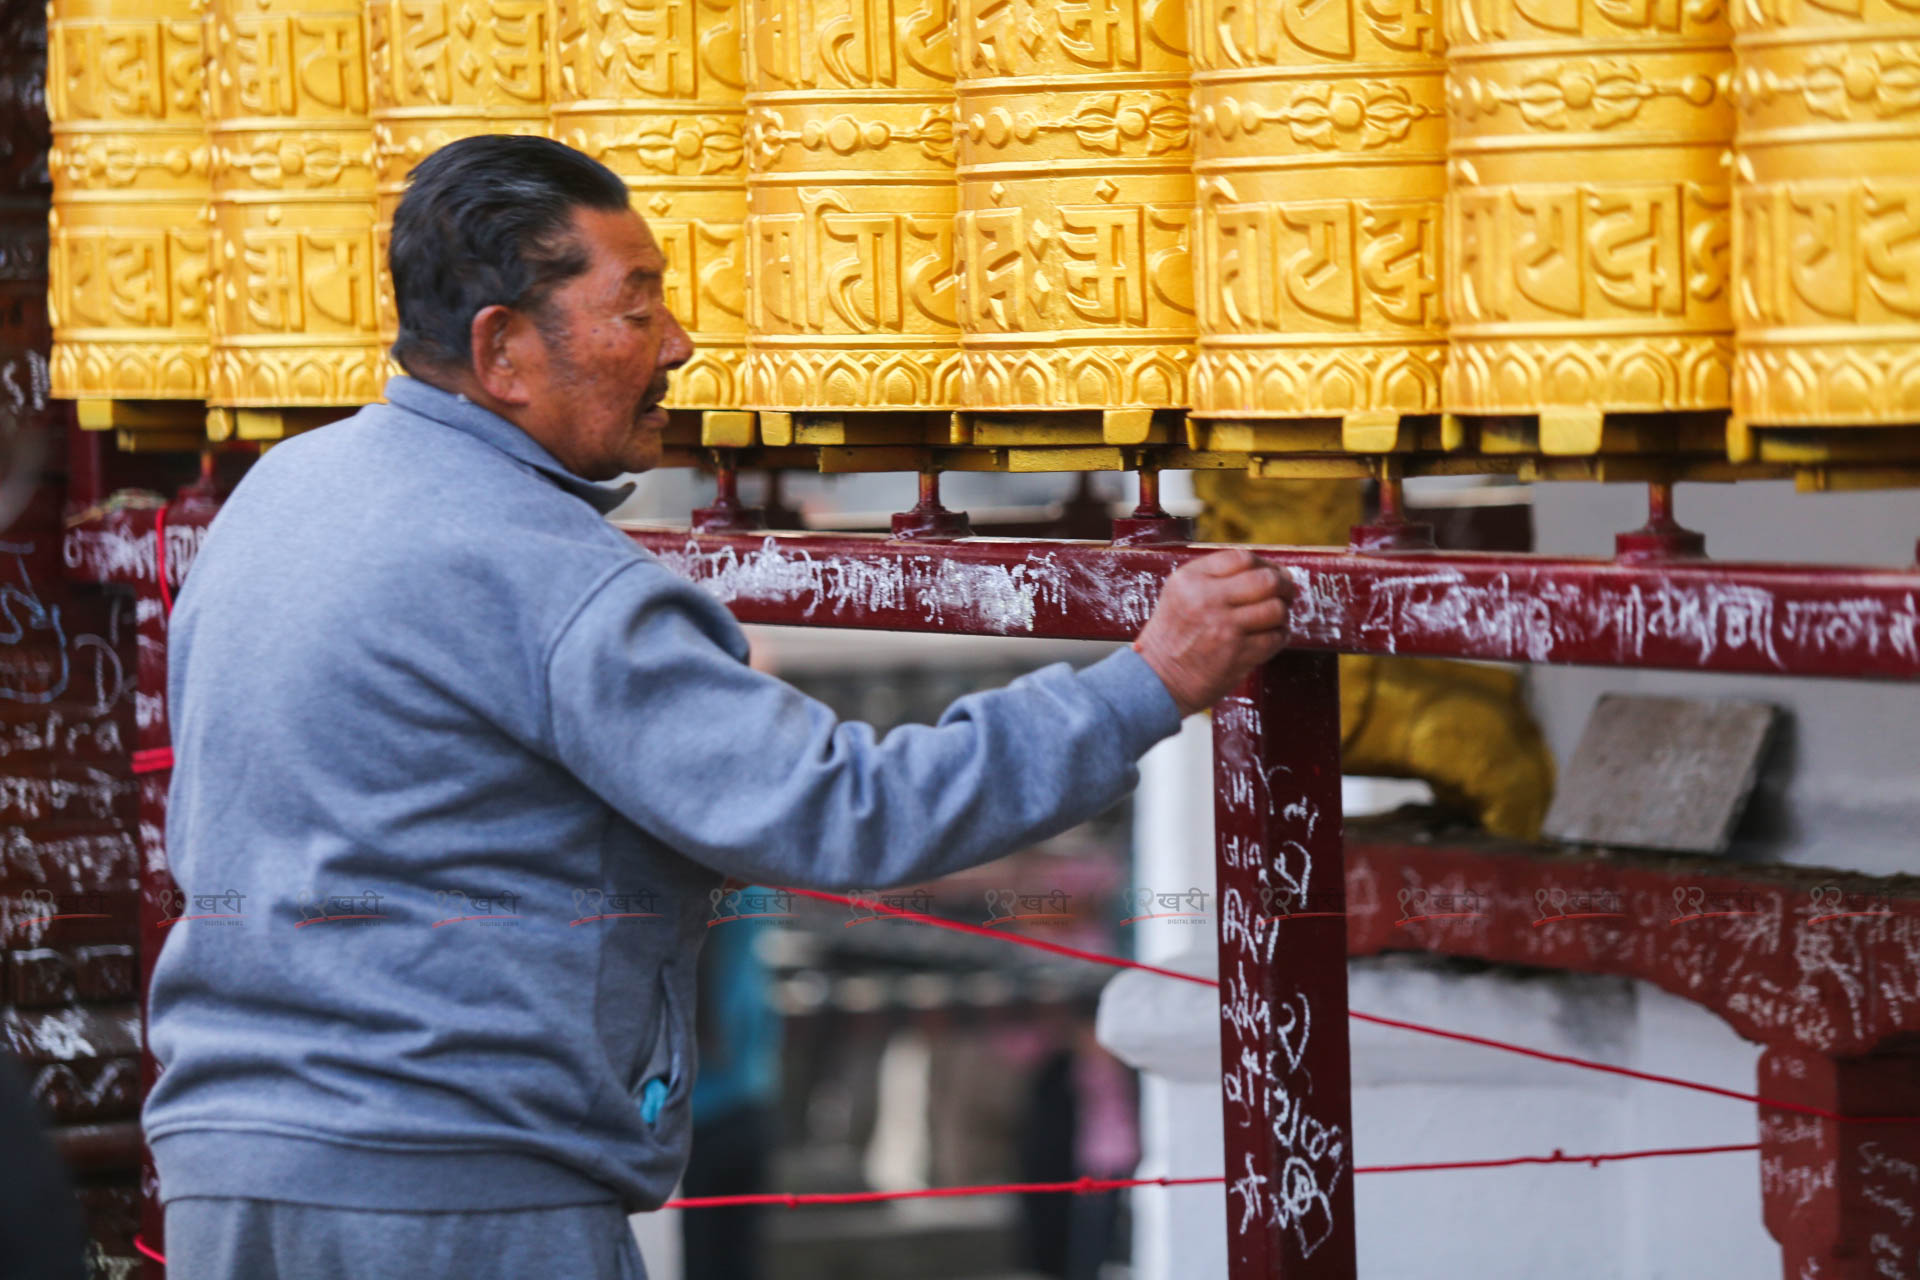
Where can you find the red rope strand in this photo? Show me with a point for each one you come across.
(1558, 1157)
(1647, 1076)
(152, 759)
(1584, 1064)
(1084, 1186)
(980, 930)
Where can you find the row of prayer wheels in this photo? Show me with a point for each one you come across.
(1361, 223)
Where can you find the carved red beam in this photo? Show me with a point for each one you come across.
(1774, 619)
(1822, 967)
(1821, 960)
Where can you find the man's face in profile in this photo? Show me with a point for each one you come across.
(608, 343)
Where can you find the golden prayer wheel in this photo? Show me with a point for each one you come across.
(439, 70)
(294, 318)
(1076, 191)
(1588, 230)
(654, 90)
(128, 268)
(850, 206)
(1827, 199)
(1320, 137)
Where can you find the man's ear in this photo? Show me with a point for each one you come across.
(499, 337)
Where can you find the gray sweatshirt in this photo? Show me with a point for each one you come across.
(458, 770)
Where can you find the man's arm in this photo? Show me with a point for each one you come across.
(652, 706)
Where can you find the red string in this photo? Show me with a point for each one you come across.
(1558, 1157)
(1648, 1076)
(160, 556)
(152, 759)
(962, 927)
(1083, 1186)
(1584, 1064)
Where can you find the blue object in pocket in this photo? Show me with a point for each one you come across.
(661, 1074)
(653, 1095)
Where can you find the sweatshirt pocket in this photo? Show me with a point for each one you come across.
(661, 1080)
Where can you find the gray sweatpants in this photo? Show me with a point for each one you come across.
(221, 1238)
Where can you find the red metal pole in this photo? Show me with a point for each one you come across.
(1285, 1071)
(1392, 531)
(1150, 525)
(726, 515)
(928, 521)
(1661, 537)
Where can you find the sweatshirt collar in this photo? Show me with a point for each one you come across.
(462, 414)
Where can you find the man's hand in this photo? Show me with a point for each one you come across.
(1218, 618)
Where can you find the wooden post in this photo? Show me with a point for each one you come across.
(1286, 1077)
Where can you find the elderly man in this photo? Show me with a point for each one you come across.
(471, 764)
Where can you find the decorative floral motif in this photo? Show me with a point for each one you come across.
(1369, 113)
(318, 163)
(1107, 123)
(695, 146)
(1582, 94)
(110, 163)
(1883, 80)
(768, 135)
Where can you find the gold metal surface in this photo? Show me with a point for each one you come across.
(850, 205)
(1588, 228)
(294, 320)
(1076, 194)
(653, 90)
(1520, 244)
(128, 269)
(439, 70)
(1827, 196)
(1320, 163)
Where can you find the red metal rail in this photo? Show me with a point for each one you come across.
(1702, 615)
